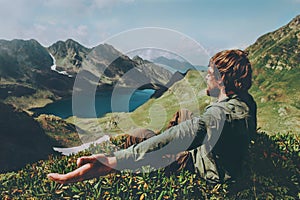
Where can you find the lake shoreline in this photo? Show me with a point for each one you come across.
(106, 101)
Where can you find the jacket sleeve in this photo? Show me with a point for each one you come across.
(186, 135)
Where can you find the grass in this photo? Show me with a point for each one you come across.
(63, 133)
(271, 171)
(275, 90)
(39, 99)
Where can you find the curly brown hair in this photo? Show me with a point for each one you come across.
(234, 68)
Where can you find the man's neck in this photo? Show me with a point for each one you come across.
(222, 95)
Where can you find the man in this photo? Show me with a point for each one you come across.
(212, 145)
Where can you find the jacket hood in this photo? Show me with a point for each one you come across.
(233, 107)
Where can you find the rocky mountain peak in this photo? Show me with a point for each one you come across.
(278, 50)
(69, 55)
(18, 58)
(295, 23)
(107, 51)
(139, 60)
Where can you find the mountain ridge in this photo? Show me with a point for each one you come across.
(275, 58)
(53, 69)
(281, 44)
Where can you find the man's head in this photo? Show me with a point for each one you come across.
(231, 70)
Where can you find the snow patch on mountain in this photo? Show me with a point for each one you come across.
(53, 67)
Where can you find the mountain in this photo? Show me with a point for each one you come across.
(278, 50)
(154, 72)
(106, 63)
(32, 73)
(21, 59)
(69, 55)
(112, 67)
(177, 65)
(275, 57)
(22, 140)
(25, 68)
(29, 63)
(109, 61)
(181, 66)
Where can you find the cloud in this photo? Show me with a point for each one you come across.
(13, 18)
(92, 21)
(109, 3)
(161, 39)
(82, 30)
(49, 34)
(84, 5)
(48, 21)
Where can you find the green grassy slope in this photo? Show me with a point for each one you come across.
(276, 62)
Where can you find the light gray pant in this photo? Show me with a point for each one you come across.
(183, 159)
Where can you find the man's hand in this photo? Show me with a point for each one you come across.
(89, 167)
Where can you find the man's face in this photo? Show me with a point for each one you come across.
(212, 84)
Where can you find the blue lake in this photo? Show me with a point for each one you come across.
(104, 102)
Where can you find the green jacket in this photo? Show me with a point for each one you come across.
(217, 141)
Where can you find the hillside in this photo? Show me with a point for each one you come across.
(278, 50)
(63, 133)
(275, 57)
(22, 140)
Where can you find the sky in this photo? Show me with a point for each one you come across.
(212, 24)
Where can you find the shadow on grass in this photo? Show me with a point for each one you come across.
(271, 169)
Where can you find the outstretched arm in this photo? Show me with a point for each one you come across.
(89, 167)
(187, 134)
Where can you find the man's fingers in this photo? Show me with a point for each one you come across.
(80, 174)
(87, 171)
(60, 178)
(85, 159)
(91, 159)
(89, 167)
